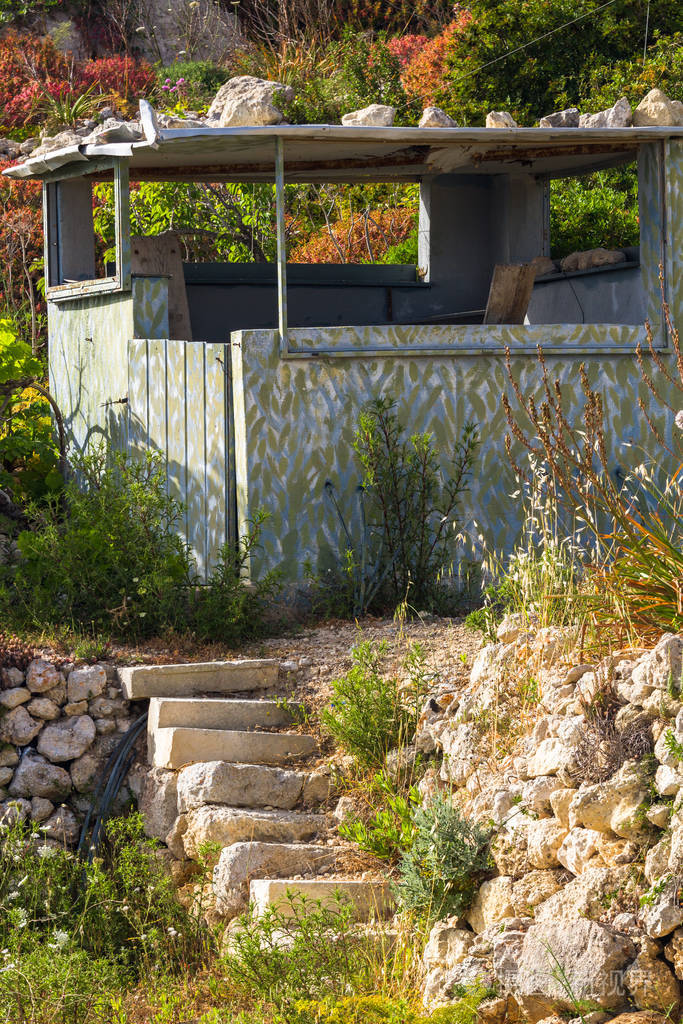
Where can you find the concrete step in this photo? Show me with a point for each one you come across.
(240, 863)
(370, 899)
(176, 747)
(250, 785)
(228, 825)
(217, 713)
(142, 681)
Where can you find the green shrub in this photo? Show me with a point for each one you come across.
(201, 80)
(390, 828)
(599, 209)
(107, 555)
(447, 862)
(378, 1009)
(370, 714)
(306, 950)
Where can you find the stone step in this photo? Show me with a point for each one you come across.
(142, 681)
(228, 825)
(370, 899)
(176, 747)
(250, 785)
(217, 713)
(240, 863)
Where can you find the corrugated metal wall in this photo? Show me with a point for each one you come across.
(179, 399)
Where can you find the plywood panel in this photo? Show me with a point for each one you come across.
(195, 404)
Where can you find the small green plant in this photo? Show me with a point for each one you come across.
(649, 898)
(673, 745)
(380, 1009)
(389, 831)
(67, 108)
(370, 714)
(447, 862)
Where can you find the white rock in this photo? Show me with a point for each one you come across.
(537, 792)
(652, 985)
(158, 803)
(67, 739)
(657, 109)
(18, 728)
(43, 708)
(613, 805)
(34, 776)
(534, 889)
(618, 116)
(668, 781)
(578, 848)
(658, 815)
(246, 100)
(586, 261)
(85, 683)
(492, 904)
(238, 785)
(560, 802)
(550, 757)
(377, 115)
(434, 117)
(665, 914)
(42, 676)
(448, 944)
(500, 119)
(544, 839)
(657, 860)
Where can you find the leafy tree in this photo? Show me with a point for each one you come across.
(547, 74)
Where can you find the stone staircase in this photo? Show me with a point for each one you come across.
(244, 780)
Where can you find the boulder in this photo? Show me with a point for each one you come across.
(158, 802)
(652, 985)
(560, 802)
(556, 966)
(114, 130)
(448, 944)
(247, 100)
(536, 794)
(42, 676)
(657, 860)
(443, 986)
(662, 914)
(238, 785)
(377, 115)
(492, 904)
(544, 839)
(668, 780)
(41, 808)
(674, 952)
(550, 757)
(18, 728)
(67, 739)
(500, 119)
(591, 258)
(86, 683)
(434, 117)
(319, 788)
(509, 852)
(13, 811)
(568, 118)
(578, 849)
(227, 825)
(657, 109)
(459, 742)
(583, 896)
(613, 805)
(618, 116)
(13, 697)
(535, 888)
(34, 776)
(44, 709)
(662, 664)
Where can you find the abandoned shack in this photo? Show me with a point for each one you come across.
(249, 377)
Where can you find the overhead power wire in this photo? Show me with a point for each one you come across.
(647, 28)
(538, 39)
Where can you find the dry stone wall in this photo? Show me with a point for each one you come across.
(58, 726)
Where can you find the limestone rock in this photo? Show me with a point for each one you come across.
(674, 952)
(657, 860)
(536, 794)
(175, 838)
(238, 785)
(492, 903)
(509, 852)
(578, 848)
(319, 788)
(376, 115)
(12, 811)
(616, 852)
(535, 888)
(62, 826)
(67, 739)
(442, 986)
(447, 945)
(500, 119)
(545, 838)
(114, 130)
(247, 100)
(459, 742)
(73, 710)
(652, 985)
(158, 802)
(657, 109)
(18, 728)
(618, 116)
(591, 956)
(665, 914)
(8, 756)
(434, 117)
(612, 805)
(583, 896)
(35, 776)
(41, 808)
(86, 683)
(668, 780)
(42, 676)
(550, 757)
(591, 258)
(227, 825)
(44, 709)
(13, 697)
(648, 1017)
(543, 265)
(568, 118)
(560, 801)
(662, 663)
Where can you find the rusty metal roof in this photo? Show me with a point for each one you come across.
(317, 153)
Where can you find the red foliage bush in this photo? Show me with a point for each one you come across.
(406, 48)
(124, 76)
(384, 228)
(21, 246)
(423, 75)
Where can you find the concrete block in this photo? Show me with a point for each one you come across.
(142, 681)
(370, 899)
(177, 747)
(216, 713)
